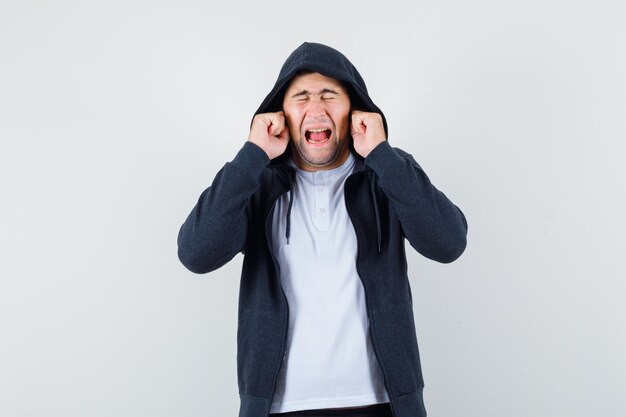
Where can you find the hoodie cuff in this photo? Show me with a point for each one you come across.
(251, 158)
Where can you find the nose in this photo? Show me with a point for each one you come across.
(316, 108)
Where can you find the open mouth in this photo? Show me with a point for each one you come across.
(317, 135)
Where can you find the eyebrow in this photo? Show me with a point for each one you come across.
(306, 92)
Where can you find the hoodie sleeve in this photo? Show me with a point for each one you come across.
(432, 224)
(216, 229)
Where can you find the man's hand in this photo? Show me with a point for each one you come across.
(367, 131)
(269, 132)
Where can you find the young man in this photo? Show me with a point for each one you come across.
(321, 204)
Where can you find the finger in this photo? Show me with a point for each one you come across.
(357, 123)
(264, 118)
(282, 131)
(284, 134)
(277, 124)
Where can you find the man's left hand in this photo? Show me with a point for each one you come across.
(367, 131)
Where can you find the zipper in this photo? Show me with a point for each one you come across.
(359, 239)
(270, 247)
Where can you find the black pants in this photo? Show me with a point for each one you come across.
(376, 410)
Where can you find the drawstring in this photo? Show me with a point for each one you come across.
(288, 228)
(376, 212)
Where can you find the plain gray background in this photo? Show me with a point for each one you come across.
(115, 115)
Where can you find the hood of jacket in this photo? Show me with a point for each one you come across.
(327, 61)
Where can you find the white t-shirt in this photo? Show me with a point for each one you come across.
(329, 360)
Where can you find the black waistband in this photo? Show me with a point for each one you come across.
(376, 410)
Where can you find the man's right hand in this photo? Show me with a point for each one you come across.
(270, 133)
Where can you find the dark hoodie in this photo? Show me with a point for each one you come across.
(326, 61)
(389, 199)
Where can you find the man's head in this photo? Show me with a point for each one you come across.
(315, 58)
(317, 109)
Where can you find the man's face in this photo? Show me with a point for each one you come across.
(317, 109)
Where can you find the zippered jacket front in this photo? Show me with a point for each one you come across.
(235, 215)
